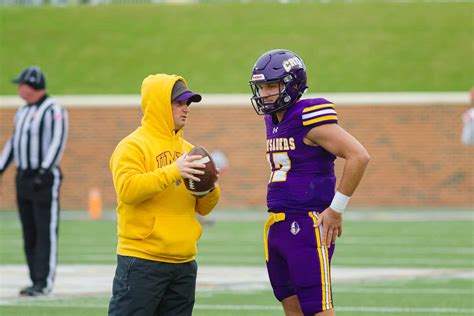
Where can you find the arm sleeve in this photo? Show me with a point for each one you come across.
(7, 155)
(205, 204)
(132, 182)
(59, 136)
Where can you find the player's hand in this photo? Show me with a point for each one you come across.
(188, 166)
(332, 226)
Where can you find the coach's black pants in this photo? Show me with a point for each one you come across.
(38, 207)
(151, 288)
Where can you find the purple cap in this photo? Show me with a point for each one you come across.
(182, 93)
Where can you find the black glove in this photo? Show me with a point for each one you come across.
(38, 179)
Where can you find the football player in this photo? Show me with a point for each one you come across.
(305, 209)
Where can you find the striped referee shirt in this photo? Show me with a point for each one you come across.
(39, 137)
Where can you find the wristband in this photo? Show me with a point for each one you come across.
(339, 202)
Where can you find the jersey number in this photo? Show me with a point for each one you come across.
(280, 164)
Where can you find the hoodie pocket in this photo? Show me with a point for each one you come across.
(136, 228)
(173, 237)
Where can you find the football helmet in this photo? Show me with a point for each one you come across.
(278, 66)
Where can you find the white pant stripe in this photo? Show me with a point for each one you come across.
(52, 229)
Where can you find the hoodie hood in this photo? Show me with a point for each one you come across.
(156, 104)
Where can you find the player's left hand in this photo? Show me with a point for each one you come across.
(332, 226)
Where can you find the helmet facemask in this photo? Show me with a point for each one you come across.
(288, 88)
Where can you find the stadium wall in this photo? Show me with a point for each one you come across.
(418, 159)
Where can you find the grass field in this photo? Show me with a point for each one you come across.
(351, 46)
(441, 245)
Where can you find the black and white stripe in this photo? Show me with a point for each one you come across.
(39, 137)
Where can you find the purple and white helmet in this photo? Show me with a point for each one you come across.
(282, 66)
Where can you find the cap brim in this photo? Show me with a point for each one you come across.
(189, 96)
(17, 81)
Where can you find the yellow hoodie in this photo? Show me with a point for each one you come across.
(156, 213)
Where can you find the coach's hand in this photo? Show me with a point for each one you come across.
(332, 226)
(188, 167)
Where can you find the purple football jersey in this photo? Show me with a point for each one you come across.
(302, 177)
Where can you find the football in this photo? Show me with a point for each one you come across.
(207, 179)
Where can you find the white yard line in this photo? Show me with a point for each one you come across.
(364, 309)
(75, 280)
(96, 280)
(406, 310)
(391, 290)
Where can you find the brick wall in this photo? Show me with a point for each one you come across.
(417, 156)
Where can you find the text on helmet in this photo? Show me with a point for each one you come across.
(292, 62)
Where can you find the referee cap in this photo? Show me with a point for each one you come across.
(32, 76)
(182, 93)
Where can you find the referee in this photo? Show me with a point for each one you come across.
(36, 146)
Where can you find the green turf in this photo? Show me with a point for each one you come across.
(96, 239)
(360, 46)
(420, 297)
(366, 243)
(434, 244)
